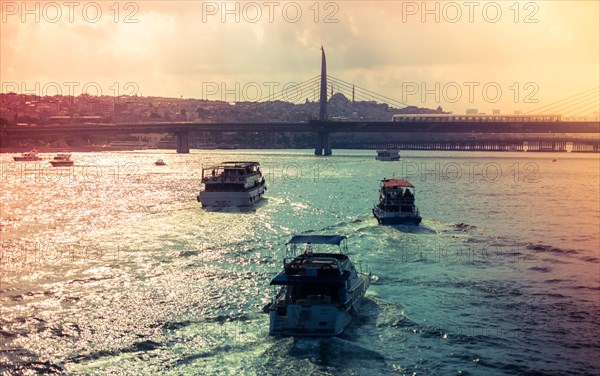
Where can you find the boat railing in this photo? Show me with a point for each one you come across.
(302, 264)
(400, 200)
(208, 175)
(278, 294)
(296, 249)
(362, 268)
(307, 258)
(222, 188)
(356, 291)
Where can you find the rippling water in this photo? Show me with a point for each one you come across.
(113, 267)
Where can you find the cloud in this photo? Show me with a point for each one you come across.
(173, 47)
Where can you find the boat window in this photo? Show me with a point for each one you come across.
(224, 187)
(314, 293)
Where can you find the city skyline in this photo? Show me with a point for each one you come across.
(512, 56)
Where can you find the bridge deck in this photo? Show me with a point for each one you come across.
(317, 126)
(416, 132)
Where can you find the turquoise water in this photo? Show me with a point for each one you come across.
(112, 267)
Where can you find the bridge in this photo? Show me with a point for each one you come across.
(419, 135)
(425, 131)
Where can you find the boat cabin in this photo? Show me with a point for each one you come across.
(397, 195)
(231, 176)
(315, 277)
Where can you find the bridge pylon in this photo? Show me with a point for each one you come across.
(323, 146)
(183, 142)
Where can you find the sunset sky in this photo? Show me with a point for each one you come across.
(549, 48)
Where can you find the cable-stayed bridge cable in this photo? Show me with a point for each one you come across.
(562, 101)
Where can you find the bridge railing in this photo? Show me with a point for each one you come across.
(475, 118)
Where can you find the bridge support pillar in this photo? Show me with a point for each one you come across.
(183, 142)
(323, 146)
(326, 144)
(319, 145)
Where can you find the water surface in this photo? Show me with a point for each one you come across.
(113, 267)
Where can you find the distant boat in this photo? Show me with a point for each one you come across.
(396, 203)
(554, 160)
(28, 157)
(231, 184)
(62, 160)
(388, 155)
(160, 162)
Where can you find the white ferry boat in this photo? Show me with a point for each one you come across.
(28, 157)
(396, 203)
(232, 184)
(388, 155)
(62, 160)
(319, 291)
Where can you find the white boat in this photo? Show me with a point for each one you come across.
(319, 291)
(160, 162)
(388, 155)
(396, 203)
(62, 160)
(28, 157)
(232, 184)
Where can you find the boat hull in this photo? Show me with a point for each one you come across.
(26, 159)
(317, 320)
(310, 321)
(225, 199)
(62, 164)
(396, 218)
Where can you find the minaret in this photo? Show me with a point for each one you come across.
(323, 97)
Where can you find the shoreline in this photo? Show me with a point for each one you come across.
(62, 149)
(92, 149)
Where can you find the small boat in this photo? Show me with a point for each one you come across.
(232, 184)
(28, 157)
(160, 162)
(319, 291)
(62, 160)
(396, 203)
(388, 155)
